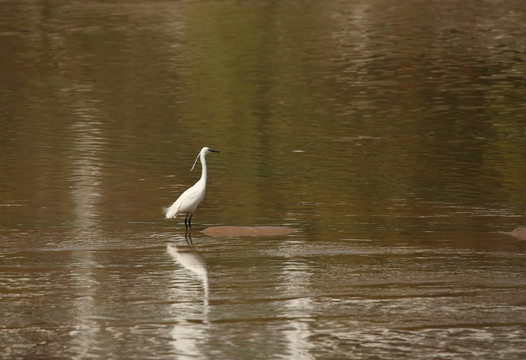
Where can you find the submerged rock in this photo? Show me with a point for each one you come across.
(247, 231)
(518, 233)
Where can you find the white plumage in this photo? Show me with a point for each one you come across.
(190, 199)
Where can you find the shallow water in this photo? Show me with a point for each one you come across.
(389, 136)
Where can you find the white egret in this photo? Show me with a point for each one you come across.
(188, 201)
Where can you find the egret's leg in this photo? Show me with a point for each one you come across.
(185, 221)
(190, 221)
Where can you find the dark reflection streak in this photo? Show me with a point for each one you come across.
(188, 237)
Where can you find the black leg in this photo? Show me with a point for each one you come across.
(185, 223)
(190, 221)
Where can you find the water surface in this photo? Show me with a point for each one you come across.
(389, 136)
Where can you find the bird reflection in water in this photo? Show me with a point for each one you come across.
(189, 258)
(187, 333)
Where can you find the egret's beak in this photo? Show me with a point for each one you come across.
(213, 150)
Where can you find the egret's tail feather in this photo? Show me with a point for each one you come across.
(172, 211)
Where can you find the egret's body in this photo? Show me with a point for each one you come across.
(190, 199)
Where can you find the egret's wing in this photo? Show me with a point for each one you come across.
(188, 201)
(191, 194)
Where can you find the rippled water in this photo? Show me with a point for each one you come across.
(390, 136)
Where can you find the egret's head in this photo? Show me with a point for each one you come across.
(207, 150)
(203, 152)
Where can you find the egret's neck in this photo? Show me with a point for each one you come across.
(203, 168)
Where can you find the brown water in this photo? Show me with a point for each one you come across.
(389, 135)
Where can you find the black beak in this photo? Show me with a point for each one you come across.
(213, 150)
